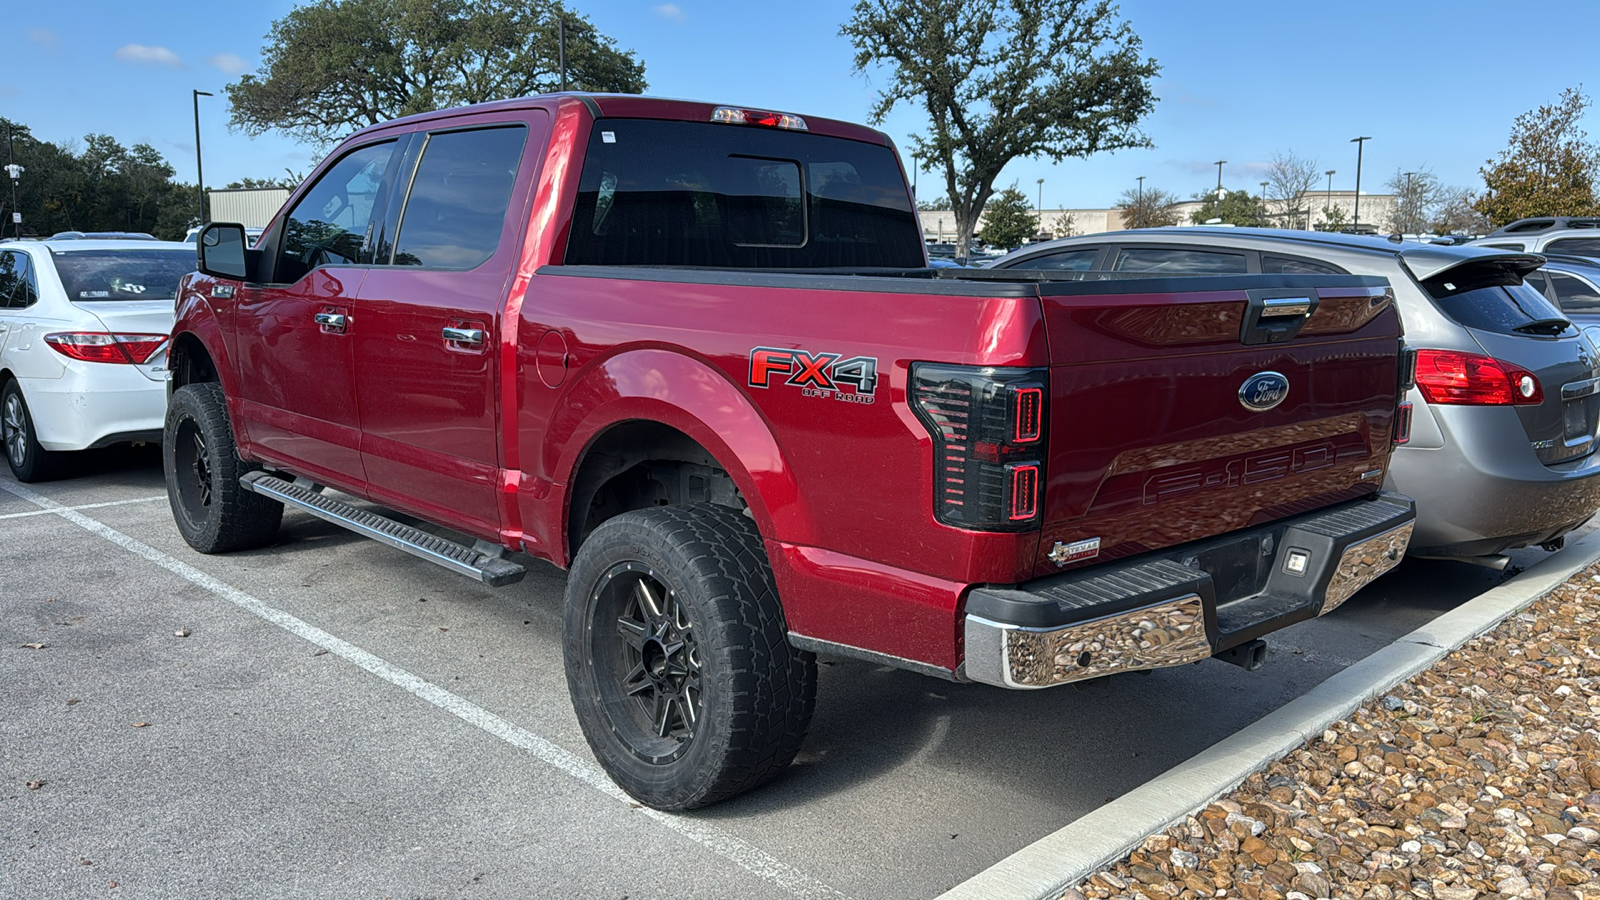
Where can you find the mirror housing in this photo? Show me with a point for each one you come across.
(223, 251)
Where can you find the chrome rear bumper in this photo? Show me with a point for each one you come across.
(1174, 618)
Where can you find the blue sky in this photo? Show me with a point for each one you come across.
(1436, 86)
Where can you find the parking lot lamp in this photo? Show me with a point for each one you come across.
(1040, 207)
(1327, 206)
(1355, 216)
(1219, 177)
(15, 171)
(199, 170)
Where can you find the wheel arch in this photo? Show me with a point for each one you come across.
(658, 404)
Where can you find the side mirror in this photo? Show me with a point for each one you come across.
(222, 252)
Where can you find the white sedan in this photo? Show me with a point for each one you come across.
(84, 327)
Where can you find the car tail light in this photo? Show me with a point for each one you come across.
(729, 115)
(988, 427)
(1450, 377)
(91, 346)
(1402, 424)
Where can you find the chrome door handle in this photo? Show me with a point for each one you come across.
(473, 336)
(329, 320)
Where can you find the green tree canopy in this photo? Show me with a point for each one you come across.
(334, 66)
(1149, 208)
(97, 186)
(1005, 79)
(1548, 169)
(1232, 208)
(1009, 219)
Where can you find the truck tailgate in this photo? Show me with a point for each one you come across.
(1182, 409)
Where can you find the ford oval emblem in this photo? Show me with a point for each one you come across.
(1263, 390)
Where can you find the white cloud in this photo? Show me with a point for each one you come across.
(44, 37)
(9, 90)
(157, 56)
(670, 11)
(228, 63)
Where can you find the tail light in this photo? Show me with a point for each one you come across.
(1408, 380)
(1450, 377)
(988, 427)
(1402, 424)
(100, 347)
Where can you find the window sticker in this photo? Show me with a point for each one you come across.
(608, 137)
(93, 295)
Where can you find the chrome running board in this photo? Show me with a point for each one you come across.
(480, 561)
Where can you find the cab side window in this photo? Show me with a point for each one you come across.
(18, 287)
(456, 209)
(332, 222)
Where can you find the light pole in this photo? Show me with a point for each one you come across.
(1264, 213)
(199, 168)
(916, 166)
(1408, 206)
(1040, 207)
(1138, 209)
(1219, 177)
(1355, 217)
(1327, 206)
(15, 171)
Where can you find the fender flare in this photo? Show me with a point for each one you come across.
(694, 397)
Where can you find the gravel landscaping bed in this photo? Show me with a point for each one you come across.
(1479, 778)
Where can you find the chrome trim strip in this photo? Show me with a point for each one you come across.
(1580, 389)
(1169, 633)
(1285, 306)
(829, 648)
(1363, 562)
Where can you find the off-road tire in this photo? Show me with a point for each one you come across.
(29, 462)
(752, 694)
(214, 512)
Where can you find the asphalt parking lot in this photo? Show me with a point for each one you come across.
(330, 717)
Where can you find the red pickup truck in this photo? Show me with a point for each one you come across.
(695, 355)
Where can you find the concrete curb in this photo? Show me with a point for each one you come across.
(1050, 865)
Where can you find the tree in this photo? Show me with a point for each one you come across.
(1009, 219)
(1150, 208)
(1456, 215)
(334, 66)
(1417, 198)
(1002, 80)
(1548, 169)
(1333, 218)
(1231, 208)
(1290, 179)
(288, 181)
(1065, 224)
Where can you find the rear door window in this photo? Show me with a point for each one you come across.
(1574, 294)
(19, 288)
(1585, 246)
(455, 212)
(1494, 298)
(1066, 260)
(1292, 265)
(1180, 261)
(331, 223)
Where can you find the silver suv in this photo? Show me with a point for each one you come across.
(1572, 235)
(1507, 398)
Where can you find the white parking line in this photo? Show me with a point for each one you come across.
(730, 847)
(51, 512)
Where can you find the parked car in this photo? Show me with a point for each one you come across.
(1505, 409)
(83, 341)
(1570, 235)
(524, 322)
(101, 236)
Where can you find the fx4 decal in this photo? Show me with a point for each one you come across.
(816, 374)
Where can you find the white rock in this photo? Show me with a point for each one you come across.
(1516, 884)
(1554, 839)
(1587, 835)
(1411, 847)
(1183, 859)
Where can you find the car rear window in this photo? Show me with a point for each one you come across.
(97, 275)
(661, 193)
(1493, 297)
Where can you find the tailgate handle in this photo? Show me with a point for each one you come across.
(1273, 320)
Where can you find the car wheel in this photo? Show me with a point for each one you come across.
(213, 511)
(29, 461)
(685, 685)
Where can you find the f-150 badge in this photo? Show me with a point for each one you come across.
(816, 374)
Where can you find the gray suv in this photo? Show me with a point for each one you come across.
(1572, 235)
(1507, 398)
